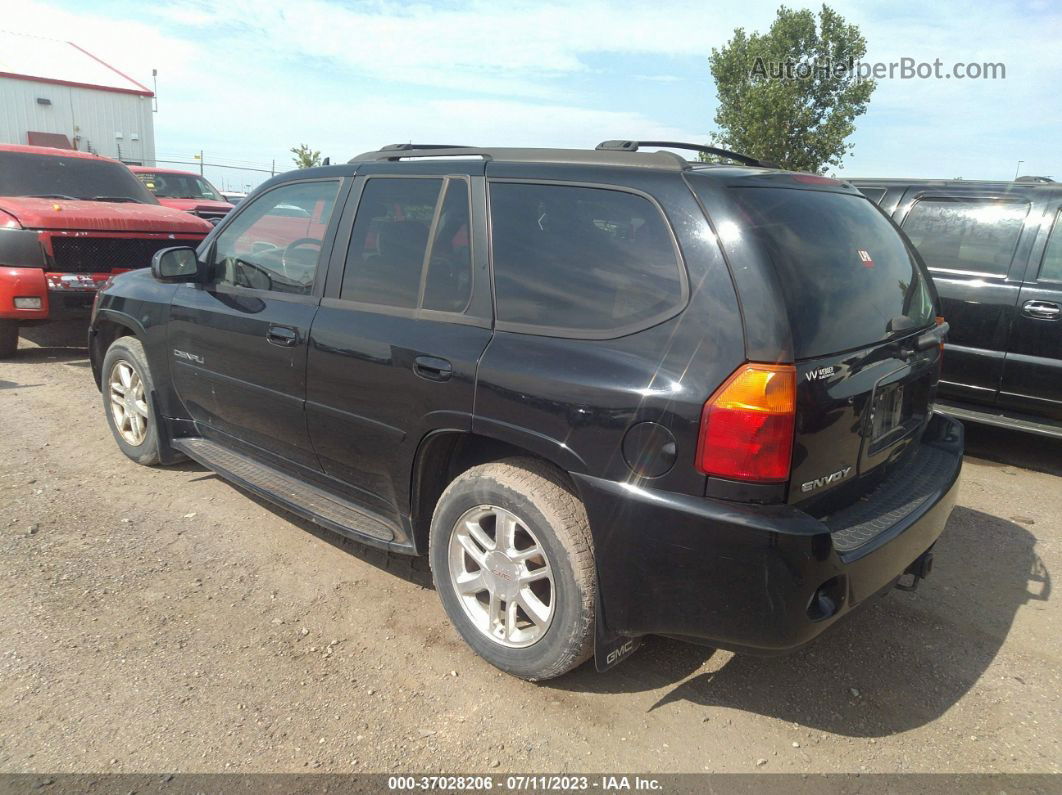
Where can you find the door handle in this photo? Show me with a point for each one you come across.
(1044, 310)
(282, 335)
(433, 368)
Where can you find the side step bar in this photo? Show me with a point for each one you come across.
(320, 507)
(1014, 422)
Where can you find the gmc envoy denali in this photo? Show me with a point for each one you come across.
(608, 393)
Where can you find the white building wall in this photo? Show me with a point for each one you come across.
(87, 116)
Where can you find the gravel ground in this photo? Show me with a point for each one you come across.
(162, 620)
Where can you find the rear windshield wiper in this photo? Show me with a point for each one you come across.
(115, 199)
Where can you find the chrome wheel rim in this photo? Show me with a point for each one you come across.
(501, 576)
(129, 407)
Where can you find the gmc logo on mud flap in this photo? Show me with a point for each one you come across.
(191, 357)
(616, 655)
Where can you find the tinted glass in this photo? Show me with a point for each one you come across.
(70, 178)
(389, 240)
(846, 274)
(448, 284)
(581, 259)
(1051, 267)
(275, 243)
(179, 186)
(967, 235)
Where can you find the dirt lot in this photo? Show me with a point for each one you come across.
(161, 620)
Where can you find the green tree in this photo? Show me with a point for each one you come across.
(791, 95)
(305, 157)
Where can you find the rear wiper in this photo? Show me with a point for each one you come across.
(115, 199)
(51, 196)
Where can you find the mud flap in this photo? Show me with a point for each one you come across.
(610, 649)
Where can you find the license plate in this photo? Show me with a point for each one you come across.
(888, 411)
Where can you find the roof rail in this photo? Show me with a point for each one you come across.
(397, 152)
(632, 146)
(394, 152)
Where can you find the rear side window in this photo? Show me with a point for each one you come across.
(976, 235)
(1051, 267)
(389, 262)
(581, 261)
(847, 275)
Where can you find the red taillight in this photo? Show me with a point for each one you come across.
(747, 425)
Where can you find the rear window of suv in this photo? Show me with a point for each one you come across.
(847, 275)
(581, 261)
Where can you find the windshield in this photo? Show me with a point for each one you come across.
(56, 176)
(848, 277)
(179, 186)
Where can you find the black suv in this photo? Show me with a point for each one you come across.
(608, 392)
(995, 252)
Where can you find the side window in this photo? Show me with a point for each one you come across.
(385, 260)
(581, 259)
(1051, 267)
(390, 262)
(275, 243)
(448, 282)
(977, 235)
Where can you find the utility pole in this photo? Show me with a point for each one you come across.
(1018, 169)
(273, 171)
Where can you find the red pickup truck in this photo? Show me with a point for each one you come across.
(184, 190)
(68, 221)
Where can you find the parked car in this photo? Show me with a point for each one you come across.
(649, 396)
(68, 221)
(995, 252)
(233, 197)
(184, 190)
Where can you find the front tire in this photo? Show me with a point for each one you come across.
(8, 338)
(127, 400)
(513, 562)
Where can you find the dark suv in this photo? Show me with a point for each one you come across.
(995, 252)
(608, 393)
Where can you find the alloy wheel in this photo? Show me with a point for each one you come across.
(502, 577)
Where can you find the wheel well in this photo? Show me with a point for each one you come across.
(107, 331)
(441, 458)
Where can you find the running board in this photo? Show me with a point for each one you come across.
(1014, 422)
(320, 507)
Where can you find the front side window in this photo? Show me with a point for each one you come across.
(275, 243)
(976, 235)
(577, 260)
(410, 245)
(1051, 267)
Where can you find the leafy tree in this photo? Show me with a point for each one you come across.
(790, 96)
(305, 157)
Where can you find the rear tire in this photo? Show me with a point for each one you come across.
(8, 338)
(127, 400)
(512, 559)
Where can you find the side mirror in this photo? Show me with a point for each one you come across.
(177, 264)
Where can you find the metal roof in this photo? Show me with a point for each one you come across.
(61, 62)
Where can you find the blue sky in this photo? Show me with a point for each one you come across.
(244, 80)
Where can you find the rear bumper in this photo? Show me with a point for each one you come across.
(746, 577)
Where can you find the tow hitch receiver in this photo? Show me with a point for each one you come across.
(918, 570)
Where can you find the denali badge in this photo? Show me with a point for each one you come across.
(818, 483)
(189, 356)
